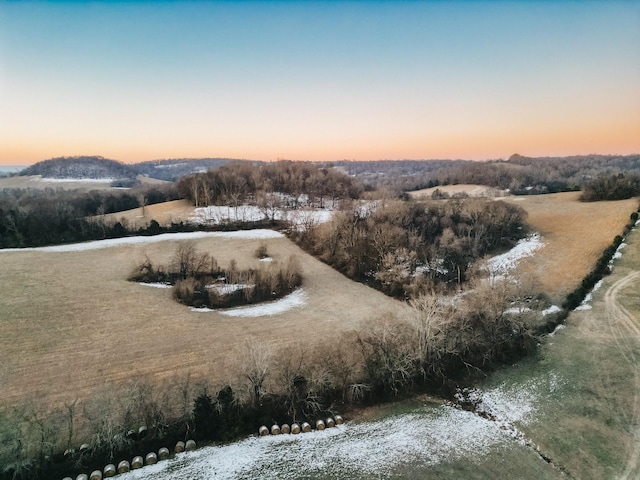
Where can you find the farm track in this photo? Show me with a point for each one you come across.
(625, 329)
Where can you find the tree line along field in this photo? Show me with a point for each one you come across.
(71, 322)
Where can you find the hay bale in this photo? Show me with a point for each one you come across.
(285, 429)
(295, 428)
(137, 462)
(163, 453)
(263, 430)
(179, 447)
(330, 422)
(124, 467)
(151, 459)
(142, 431)
(131, 435)
(95, 475)
(7, 472)
(190, 446)
(109, 470)
(320, 425)
(339, 420)
(82, 476)
(69, 452)
(84, 447)
(306, 428)
(275, 430)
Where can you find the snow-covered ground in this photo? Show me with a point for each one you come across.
(298, 298)
(116, 242)
(427, 436)
(502, 264)
(215, 215)
(72, 180)
(586, 302)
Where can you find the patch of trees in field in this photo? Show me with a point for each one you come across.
(32, 217)
(611, 187)
(238, 183)
(405, 248)
(199, 281)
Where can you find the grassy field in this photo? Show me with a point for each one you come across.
(575, 234)
(71, 323)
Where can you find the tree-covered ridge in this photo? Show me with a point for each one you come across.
(175, 168)
(519, 174)
(83, 167)
(239, 183)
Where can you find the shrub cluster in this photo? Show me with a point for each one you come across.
(198, 281)
(613, 187)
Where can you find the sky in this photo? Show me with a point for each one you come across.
(318, 80)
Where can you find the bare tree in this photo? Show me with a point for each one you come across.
(258, 360)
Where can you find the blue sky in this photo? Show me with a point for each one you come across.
(318, 80)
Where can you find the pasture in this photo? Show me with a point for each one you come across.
(72, 324)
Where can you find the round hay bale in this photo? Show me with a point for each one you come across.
(163, 453)
(190, 446)
(68, 452)
(320, 425)
(330, 422)
(339, 420)
(82, 476)
(295, 428)
(95, 475)
(109, 470)
(151, 459)
(179, 447)
(131, 435)
(275, 430)
(65, 478)
(285, 429)
(123, 466)
(142, 431)
(137, 462)
(84, 447)
(263, 430)
(306, 428)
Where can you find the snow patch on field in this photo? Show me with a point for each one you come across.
(141, 240)
(71, 180)
(217, 214)
(296, 299)
(500, 264)
(550, 310)
(586, 302)
(156, 285)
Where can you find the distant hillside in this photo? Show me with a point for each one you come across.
(173, 169)
(86, 167)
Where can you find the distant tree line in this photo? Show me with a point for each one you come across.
(237, 183)
(32, 218)
(521, 175)
(406, 248)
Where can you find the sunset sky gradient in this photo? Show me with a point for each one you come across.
(330, 80)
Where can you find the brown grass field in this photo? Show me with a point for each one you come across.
(70, 323)
(471, 190)
(575, 234)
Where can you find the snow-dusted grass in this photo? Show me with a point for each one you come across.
(427, 436)
(586, 302)
(431, 436)
(502, 264)
(139, 240)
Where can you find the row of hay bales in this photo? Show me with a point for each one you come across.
(137, 462)
(296, 428)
